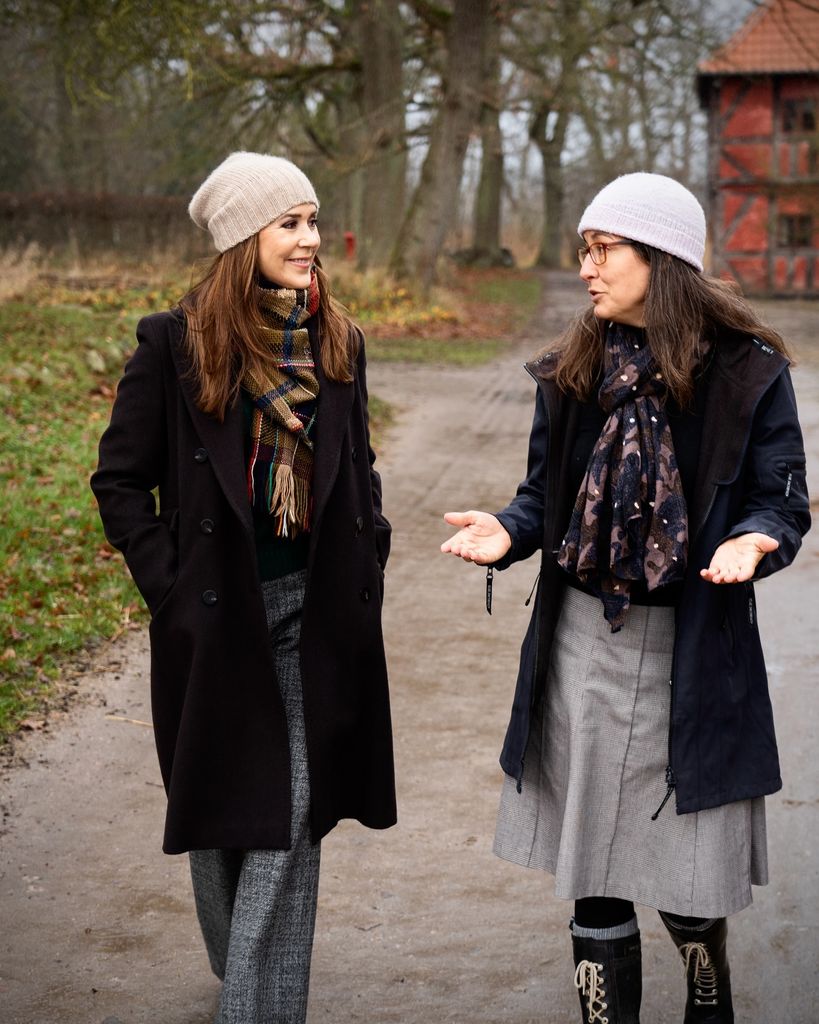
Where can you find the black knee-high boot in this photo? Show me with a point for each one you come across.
(608, 978)
(707, 973)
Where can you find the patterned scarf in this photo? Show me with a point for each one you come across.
(280, 467)
(630, 521)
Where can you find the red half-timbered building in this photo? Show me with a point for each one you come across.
(761, 93)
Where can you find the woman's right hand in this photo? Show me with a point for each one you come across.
(481, 538)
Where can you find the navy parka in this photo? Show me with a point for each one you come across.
(750, 479)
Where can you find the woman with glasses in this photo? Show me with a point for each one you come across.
(666, 473)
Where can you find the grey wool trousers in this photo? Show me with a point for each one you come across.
(257, 908)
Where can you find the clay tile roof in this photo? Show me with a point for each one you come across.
(780, 36)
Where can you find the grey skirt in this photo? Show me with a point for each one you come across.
(594, 773)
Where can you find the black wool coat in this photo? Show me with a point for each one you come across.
(750, 479)
(219, 720)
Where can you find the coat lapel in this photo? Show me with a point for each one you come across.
(224, 442)
(333, 409)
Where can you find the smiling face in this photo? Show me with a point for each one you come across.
(617, 288)
(287, 247)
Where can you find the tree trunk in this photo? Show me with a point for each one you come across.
(486, 247)
(550, 146)
(346, 190)
(378, 25)
(67, 124)
(432, 210)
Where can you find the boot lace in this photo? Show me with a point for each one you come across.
(705, 974)
(589, 979)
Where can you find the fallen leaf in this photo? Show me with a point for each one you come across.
(33, 724)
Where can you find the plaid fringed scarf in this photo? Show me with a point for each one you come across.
(280, 468)
(630, 521)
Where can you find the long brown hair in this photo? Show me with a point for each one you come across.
(225, 333)
(683, 310)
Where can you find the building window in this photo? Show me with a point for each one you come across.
(795, 230)
(799, 115)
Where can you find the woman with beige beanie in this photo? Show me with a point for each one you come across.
(666, 473)
(244, 409)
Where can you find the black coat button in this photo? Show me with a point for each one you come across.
(364, 594)
(210, 597)
(206, 526)
(200, 455)
(359, 524)
(354, 453)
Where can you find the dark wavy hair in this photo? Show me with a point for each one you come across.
(684, 310)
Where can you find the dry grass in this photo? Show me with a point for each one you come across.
(19, 269)
(31, 272)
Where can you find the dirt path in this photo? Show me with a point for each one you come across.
(419, 924)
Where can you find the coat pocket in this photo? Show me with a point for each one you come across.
(170, 518)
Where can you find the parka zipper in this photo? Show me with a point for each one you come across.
(671, 783)
(519, 780)
(526, 603)
(670, 778)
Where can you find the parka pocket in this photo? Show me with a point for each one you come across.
(782, 478)
(737, 639)
(795, 488)
(730, 667)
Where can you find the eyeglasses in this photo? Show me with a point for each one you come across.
(598, 251)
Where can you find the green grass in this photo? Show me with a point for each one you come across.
(62, 349)
(521, 289)
(60, 584)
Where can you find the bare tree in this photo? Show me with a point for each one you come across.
(141, 97)
(486, 247)
(384, 157)
(431, 211)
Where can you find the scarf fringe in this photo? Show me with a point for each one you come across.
(289, 500)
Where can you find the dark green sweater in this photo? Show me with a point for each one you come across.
(276, 556)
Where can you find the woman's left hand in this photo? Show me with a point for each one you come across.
(735, 561)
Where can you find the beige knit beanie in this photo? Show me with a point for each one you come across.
(245, 193)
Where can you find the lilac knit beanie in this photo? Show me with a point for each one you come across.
(653, 209)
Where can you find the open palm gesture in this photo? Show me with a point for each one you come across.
(481, 538)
